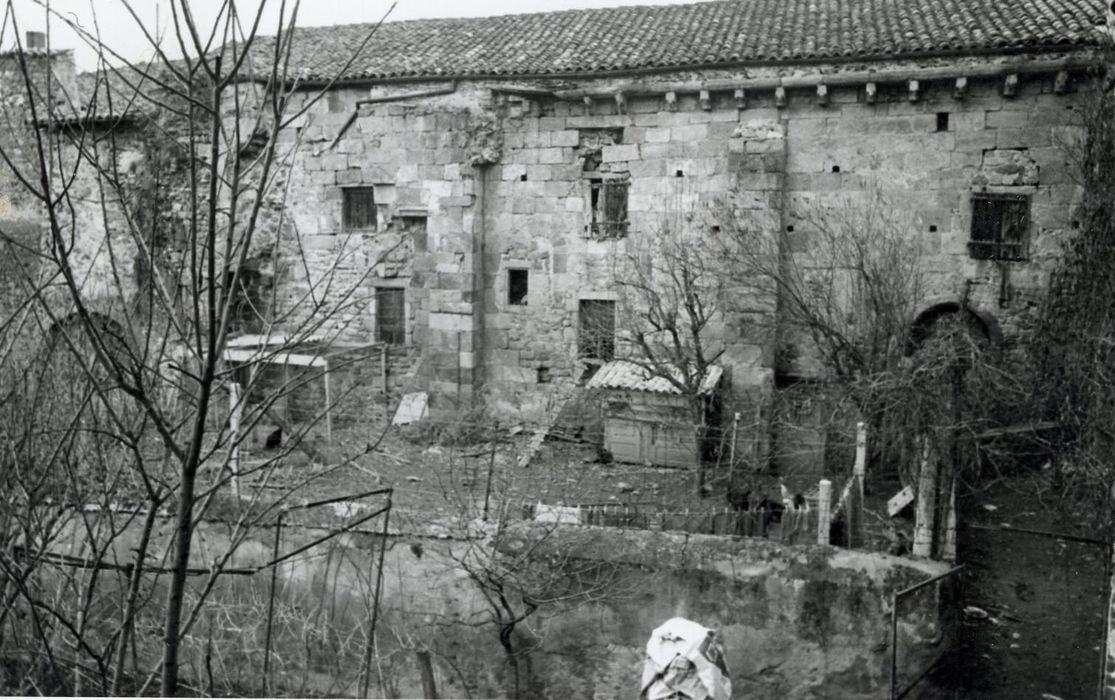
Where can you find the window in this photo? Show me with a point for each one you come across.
(598, 329)
(517, 285)
(359, 209)
(608, 206)
(390, 316)
(999, 226)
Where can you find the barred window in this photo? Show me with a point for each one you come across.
(1000, 223)
(608, 206)
(390, 316)
(359, 209)
(597, 329)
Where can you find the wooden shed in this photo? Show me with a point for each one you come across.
(647, 419)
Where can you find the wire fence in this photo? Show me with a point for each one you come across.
(296, 615)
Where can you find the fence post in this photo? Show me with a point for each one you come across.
(927, 501)
(860, 468)
(824, 508)
(235, 407)
(948, 550)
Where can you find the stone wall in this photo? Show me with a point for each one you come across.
(525, 204)
(797, 621)
(476, 180)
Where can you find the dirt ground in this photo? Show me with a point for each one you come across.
(1034, 605)
(437, 486)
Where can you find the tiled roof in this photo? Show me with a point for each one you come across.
(621, 374)
(723, 32)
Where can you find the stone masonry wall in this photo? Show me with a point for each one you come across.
(499, 182)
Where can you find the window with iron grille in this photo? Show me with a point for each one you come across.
(390, 316)
(359, 209)
(1000, 224)
(608, 207)
(597, 329)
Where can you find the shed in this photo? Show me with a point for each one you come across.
(647, 419)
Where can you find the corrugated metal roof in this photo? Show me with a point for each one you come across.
(624, 374)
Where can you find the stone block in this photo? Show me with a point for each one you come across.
(689, 133)
(539, 173)
(658, 135)
(334, 161)
(352, 176)
(612, 154)
(554, 155)
(1008, 120)
(566, 138)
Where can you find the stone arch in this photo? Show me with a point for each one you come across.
(982, 326)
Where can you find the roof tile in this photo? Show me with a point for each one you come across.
(669, 36)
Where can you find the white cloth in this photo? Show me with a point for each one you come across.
(685, 658)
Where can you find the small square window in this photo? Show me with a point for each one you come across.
(517, 286)
(942, 121)
(359, 209)
(1000, 223)
(608, 207)
(390, 315)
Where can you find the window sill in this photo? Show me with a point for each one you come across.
(1005, 252)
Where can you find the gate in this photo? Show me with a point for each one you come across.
(908, 668)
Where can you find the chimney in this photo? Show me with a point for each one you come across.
(35, 40)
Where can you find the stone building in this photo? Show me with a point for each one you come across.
(481, 180)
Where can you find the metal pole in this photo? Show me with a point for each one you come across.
(369, 645)
(267, 686)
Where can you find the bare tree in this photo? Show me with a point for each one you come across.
(163, 191)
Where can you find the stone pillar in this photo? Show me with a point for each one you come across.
(757, 164)
(455, 323)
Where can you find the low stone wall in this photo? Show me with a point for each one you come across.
(797, 621)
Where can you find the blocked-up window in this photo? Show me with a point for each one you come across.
(608, 206)
(358, 209)
(597, 329)
(1000, 224)
(390, 315)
